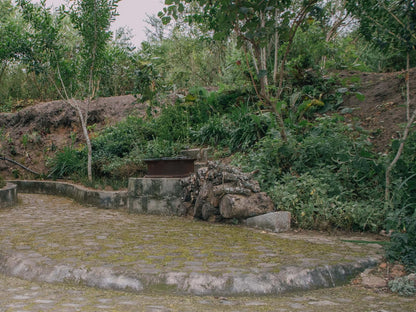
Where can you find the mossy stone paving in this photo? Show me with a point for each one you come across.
(19, 295)
(62, 230)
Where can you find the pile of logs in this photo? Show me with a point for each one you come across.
(217, 192)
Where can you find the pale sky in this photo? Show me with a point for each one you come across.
(131, 14)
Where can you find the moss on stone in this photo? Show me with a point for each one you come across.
(63, 230)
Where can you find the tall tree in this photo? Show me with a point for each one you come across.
(13, 43)
(92, 20)
(257, 25)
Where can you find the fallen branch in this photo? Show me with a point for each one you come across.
(2, 157)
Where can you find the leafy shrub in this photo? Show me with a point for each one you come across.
(308, 199)
(158, 148)
(67, 162)
(120, 139)
(271, 157)
(216, 131)
(402, 208)
(326, 176)
(173, 123)
(2, 182)
(402, 245)
(248, 127)
(404, 286)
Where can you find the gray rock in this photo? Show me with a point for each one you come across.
(242, 207)
(274, 221)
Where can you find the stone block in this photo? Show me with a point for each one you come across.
(155, 187)
(159, 196)
(8, 195)
(242, 207)
(157, 207)
(274, 221)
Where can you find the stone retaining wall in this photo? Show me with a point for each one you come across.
(8, 195)
(160, 196)
(100, 199)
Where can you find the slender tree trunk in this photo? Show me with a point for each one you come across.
(333, 33)
(276, 49)
(253, 56)
(408, 86)
(35, 82)
(75, 104)
(3, 69)
(410, 121)
(83, 119)
(264, 83)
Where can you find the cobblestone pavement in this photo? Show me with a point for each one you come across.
(18, 295)
(54, 232)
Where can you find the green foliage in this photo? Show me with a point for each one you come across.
(148, 82)
(119, 140)
(160, 148)
(308, 197)
(402, 213)
(2, 182)
(13, 42)
(248, 127)
(403, 244)
(404, 286)
(173, 124)
(92, 19)
(388, 25)
(215, 132)
(67, 162)
(326, 176)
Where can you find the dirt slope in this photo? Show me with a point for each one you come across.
(383, 110)
(32, 135)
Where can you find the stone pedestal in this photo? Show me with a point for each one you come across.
(8, 196)
(160, 196)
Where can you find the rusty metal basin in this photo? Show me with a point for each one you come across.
(177, 167)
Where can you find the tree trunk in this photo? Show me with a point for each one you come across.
(84, 119)
(276, 50)
(408, 86)
(3, 69)
(410, 121)
(262, 55)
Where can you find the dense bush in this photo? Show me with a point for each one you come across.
(402, 210)
(326, 176)
(215, 132)
(309, 200)
(403, 244)
(404, 286)
(2, 182)
(67, 163)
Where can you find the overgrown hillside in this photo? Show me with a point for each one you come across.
(315, 98)
(32, 135)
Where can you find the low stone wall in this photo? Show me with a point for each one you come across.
(159, 196)
(8, 195)
(100, 199)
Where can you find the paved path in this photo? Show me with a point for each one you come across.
(18, 295)
(159, 259)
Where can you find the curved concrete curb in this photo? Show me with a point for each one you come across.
(35, 268)
(8, 195)
(100, 199)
